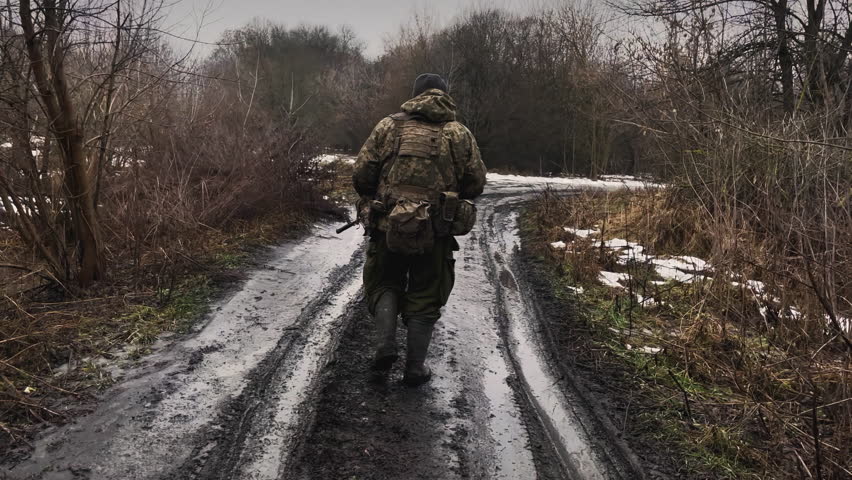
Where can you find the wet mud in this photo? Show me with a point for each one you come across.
(369, 425)
(276, 384)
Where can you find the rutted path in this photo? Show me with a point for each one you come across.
(274, 385)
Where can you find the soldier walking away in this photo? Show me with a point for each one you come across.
(416, 175)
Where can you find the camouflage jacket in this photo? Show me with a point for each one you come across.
(457, 143)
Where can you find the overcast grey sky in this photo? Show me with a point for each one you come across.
(372, 20)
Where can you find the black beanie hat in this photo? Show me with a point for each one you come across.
(426, 81)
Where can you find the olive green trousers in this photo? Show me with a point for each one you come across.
(423, 282)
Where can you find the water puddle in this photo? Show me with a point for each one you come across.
(471, 311)
(293, 387)
(562, 423)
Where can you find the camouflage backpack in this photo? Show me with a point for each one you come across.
(419, 189)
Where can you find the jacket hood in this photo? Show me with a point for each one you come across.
(434, 105)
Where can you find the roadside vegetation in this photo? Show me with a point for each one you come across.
(720, 356)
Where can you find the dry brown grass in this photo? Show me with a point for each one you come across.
(764, 391)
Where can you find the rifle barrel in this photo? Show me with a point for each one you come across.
(347, 226)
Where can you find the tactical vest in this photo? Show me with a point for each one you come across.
(418, 189)
(415, 169)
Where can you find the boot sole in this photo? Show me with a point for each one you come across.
(384, 364)
(416, 381)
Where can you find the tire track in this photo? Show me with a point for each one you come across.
(193, 397)
(579, 438)
(254, 435)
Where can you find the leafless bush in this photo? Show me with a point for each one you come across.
(746, 104)
(155, 148)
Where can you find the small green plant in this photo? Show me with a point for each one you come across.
(184, 305)
(230, 259)
(96, 375)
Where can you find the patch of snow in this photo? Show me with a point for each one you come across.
(695, 263)
(560, 245)
(795, 313)
(687, 264)
(845, 323)
(620, 177)
(671, 273)
(576, 290)
(619, 243)
(651, 350)
(611, 279)
(6, 145)
(679, 269)
(581, 233)
(326, 159)
(510, 182)
(633, 255)
(645, 301)
(329, 158)
(756, 286)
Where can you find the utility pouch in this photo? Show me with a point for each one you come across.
(464, 219)
(446, 212)
(410, 228)
(449, 204)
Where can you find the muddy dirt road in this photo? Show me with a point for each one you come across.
(274, 385)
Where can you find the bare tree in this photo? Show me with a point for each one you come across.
(110, 48)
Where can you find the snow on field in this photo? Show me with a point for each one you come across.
(679, 269)
(683, 269)
(633, 255)
(664, 268)
(620, 243)
(329, 158)
(612, 279)
(500, 182)
(579, 232)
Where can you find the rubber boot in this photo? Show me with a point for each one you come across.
(385, 318)
(419, 337)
